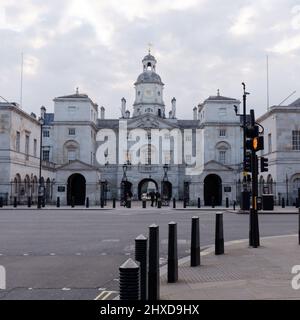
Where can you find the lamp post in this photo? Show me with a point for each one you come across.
(287, 190)
(41, 187)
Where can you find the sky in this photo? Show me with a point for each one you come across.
(200, 46)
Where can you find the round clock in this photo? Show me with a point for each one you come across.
(148, 93)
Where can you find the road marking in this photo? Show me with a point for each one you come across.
(127, 254)
(101, 289)
(103, 254)
(78, 254)
(52, 254)
(116, 280)
(25, 254)
(66, 289)
(111, 240)
(104, 295)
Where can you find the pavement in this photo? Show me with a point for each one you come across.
(242, 273)
(179, 206)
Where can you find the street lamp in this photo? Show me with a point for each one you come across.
(287, 190)
(41, 187)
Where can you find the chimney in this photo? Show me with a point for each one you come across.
(123, 107)
(102, 113)
(173, 101)
(127, 114)
(195, 113)
(43, 111)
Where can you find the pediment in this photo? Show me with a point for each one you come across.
(77, 165)
(151, 122)
(216, 166)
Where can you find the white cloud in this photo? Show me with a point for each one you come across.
(287, 45)
(245, 22)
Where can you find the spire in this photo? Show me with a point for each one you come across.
(77, 90)
(218, 93)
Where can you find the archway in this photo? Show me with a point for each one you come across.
(213, 189)
(77, 189)
(147, 186)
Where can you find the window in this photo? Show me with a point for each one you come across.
(188, 159)
(27, 146)
(72, 132)
(188, 138)
(222, 156)
(223, 112)
(46, 133)
(269, 142)
(296, 140)
(71, 155)
(18, 138)
(34, 147)
(167, 136)
(46, 155)
(71, 109)
(222, 133)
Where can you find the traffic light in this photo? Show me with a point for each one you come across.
(264, 164)
(254, 142)
(258, 143)
(247, 163)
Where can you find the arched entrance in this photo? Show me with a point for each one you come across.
(147, 186)
(126, 189)
(213, 189)
(77, 189)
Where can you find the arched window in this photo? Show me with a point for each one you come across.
(223, 154)
(71, 151)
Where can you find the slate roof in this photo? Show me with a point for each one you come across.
(149, 77)
(295, 103)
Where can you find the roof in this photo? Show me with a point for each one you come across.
(75, 96)
(295, 103)
(149, 77)
(149, 57)
(219, 98)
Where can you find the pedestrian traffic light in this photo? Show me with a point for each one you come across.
(258, 143)
(247, 163)
(264, 164)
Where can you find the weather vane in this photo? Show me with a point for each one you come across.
(150, 45)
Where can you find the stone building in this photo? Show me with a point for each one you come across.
(147, 149)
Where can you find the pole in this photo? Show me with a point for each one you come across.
(141, 243)
(195, 243)
(153, 273)
(172, 253)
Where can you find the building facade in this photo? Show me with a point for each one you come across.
(147, 149)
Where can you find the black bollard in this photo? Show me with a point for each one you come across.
(87, 202)
(57, 202)
(141, 243)
(29, 202)
(1, 202)
(219, 236)
(234, 204)
(15, 202)
(102, 203)
(184, 203)
(195, 243)
(153, 273)
(129, 281)
(43, 202)
(39, 202)
(144, 204)
(227, 203)
(129, 204)
(199, 203)
(212, 202)
(159, 204)
(174, 203)
(299, 227)
(114, 203)
(283, 203)
(73, 202)
(172, 254)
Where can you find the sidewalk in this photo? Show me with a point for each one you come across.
(243, 273)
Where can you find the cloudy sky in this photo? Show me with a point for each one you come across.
(98, 45)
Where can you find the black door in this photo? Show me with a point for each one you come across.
(213, 190)
(76, 189)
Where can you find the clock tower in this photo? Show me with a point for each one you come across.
(149, 90)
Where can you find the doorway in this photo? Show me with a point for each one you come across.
(213, 190)
(76, 189)
(147, 186)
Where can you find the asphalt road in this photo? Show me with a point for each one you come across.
(75, 254)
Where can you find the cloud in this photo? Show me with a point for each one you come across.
(98, 45)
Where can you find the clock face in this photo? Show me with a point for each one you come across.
(148, 93)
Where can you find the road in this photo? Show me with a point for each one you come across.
(75, 254)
